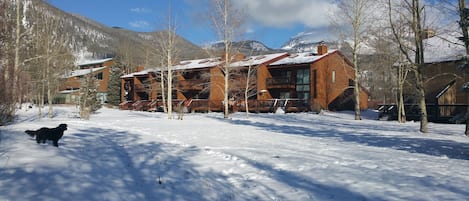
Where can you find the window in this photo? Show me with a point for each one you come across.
(303, 84)
(315, 84)
(99, 76)
(302, 77)
(333, 76)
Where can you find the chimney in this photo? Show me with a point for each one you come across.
(234, 57)
(322, 49)
(140, 68)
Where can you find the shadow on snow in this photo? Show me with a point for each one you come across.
(106, 164)
(354, 132)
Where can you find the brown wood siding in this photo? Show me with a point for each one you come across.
(71, 83)
(447, 71)
(323, 91)
(103, 84)
(327, 90)
(448, 98)
(262, 75)
(363, 100)
(122, 91)
(216, 84)
(319, 97)
(155, 86)
(75, 82)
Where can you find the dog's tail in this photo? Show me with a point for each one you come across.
(30, 133)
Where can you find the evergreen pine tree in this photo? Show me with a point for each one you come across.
(114, 86)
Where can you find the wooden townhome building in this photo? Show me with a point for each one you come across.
(445, 99)
(293, 82)
(73, 80)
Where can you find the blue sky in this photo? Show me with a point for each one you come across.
(272, 22)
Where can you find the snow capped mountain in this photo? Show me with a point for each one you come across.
(257, 46)
(247, 47)
(306, 41)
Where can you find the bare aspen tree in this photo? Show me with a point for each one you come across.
(402, 76)
(226, 19)
(250, 89)
(163, 87)
(355, 13)
(413, 54)
(167, 46)
(53, 54)
(400, 30)
(17, 49)
(170, 47)
(89, 102)
(125, 54)
(7, 102)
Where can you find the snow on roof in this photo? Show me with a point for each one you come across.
(257, 60)
(444, 47)
(82, 72)
(297, 58)
(68, 91)
(301, 58)
(94, 62)
(198, 63)
(128, 75)
(143, 72)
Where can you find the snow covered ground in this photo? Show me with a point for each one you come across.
(128, 155)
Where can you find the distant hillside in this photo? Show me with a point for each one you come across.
(90, 39)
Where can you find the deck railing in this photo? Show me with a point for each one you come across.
(282, 82)
(450, 113)
(192, 84)
(204, 105)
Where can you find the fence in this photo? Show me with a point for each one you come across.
(436, 113)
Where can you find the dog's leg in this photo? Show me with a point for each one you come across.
(56, 143)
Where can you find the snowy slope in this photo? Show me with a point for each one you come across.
(307, 42)
(125, 155)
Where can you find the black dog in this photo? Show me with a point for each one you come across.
(44, 134)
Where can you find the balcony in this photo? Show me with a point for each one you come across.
(193, 84)
(280, 83)
(142, 88)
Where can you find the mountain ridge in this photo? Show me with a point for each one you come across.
(90, 39)
(93, 40)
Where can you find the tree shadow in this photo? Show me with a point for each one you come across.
(107, 164)
(369, 136)
(315, 189)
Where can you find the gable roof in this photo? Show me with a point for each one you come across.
(100, 61)
(143, 72)
(445, 89)
(81, 72)
(281, 59)
(257, 60)
(198, 63)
